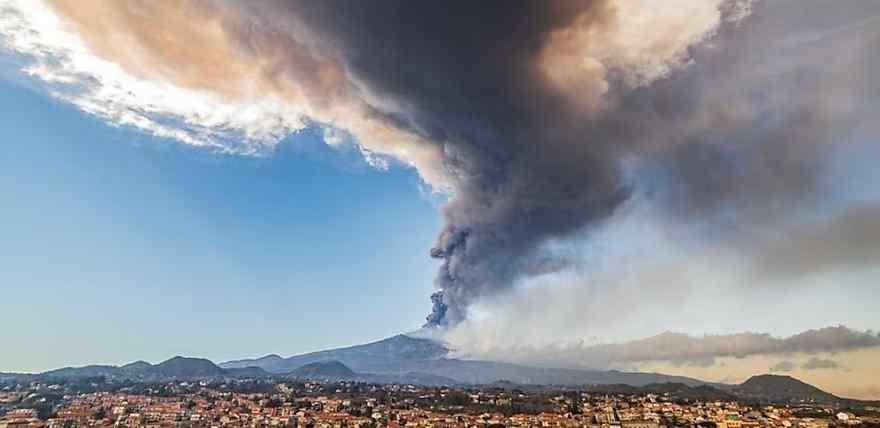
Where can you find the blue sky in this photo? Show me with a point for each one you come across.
(118, 246)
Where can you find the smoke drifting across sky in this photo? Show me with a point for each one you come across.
(683, 349)
(542, 120)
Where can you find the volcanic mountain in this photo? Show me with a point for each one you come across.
(404, 354)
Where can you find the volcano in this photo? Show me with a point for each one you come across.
(404, 354)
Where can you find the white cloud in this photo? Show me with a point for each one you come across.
(103, 88)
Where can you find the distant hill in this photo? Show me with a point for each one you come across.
(678, 390)
(337, 371)
(137, 366)
(174, 368)
(413, 378)
(263, 362)
(246, 372)
(80, 372)
(762, 389)
(778, 388)
(15, 377)
(323, 370)
(184, 367)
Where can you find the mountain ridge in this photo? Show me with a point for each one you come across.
(402, 354)
(172, 368)
(405, 359)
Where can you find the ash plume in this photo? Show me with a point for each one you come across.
(520, 160)
(537, 107)
(539, 118)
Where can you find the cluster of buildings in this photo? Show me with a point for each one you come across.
(348, 405)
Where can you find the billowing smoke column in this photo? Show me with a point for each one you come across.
(437, 316)
(523, 161)
(531, 114)
(511, 93)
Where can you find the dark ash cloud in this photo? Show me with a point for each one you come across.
(524, 165)
(746, 127)
(847, 241)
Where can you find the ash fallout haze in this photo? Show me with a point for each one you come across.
(686, 187)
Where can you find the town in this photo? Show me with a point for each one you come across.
(267, 403)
